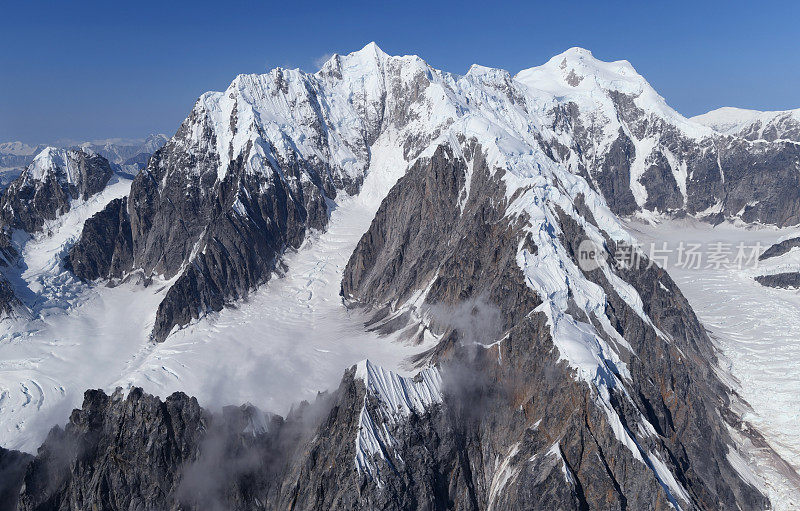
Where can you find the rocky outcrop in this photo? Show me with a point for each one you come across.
(47, 186)
(12, 471)
(115, 453)
(233, 234)
(105, 247)
(778, 249)
(790, 280)
(10, 304)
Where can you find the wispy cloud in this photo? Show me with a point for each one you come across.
(320, 61)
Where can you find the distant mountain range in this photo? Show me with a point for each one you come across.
(129, 154)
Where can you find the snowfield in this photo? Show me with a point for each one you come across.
(756, 328)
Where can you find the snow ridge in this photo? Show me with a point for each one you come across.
(397, 398)
(736, 121)
(55, 162)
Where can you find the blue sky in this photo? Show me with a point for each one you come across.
(88, 70)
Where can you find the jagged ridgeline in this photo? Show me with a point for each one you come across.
(593, 389)
(253, 168)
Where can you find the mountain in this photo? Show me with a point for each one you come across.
(310, 135)
(752, 124)
(15, 156)
(46, 188)
(130, 155)
(45, 191)
(543, 380)
(647, 159)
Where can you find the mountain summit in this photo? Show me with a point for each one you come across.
(466, 204)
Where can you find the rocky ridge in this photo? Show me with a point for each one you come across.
(253, 168)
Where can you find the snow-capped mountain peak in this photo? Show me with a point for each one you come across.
(572, 67)
(753, 124)
(52, 161)
(577, 76)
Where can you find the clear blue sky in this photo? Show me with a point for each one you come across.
(87, 70)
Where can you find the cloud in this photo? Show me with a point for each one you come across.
(477, 320)
(320, 61)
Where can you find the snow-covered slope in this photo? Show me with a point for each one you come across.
(753, 124)
(294, 329)
(51, 161)
(576, 76)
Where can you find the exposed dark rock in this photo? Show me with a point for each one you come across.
(139, 453)
(778, 249)
(663, 193)
(755, 180)
(10, 305)
(614, 176)
(115, 453)
(784, 126)
(12, 470)
(782, 280)
(8, 252)
(672, 385)
(105, 248)
(234, 235)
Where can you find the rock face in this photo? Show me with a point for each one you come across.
(779, 249)
(115, 453)
(46, 187)
(790, 280)
(12, 471)
(659, 389)
(139, 453)
(10, 305)
(105, 248)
